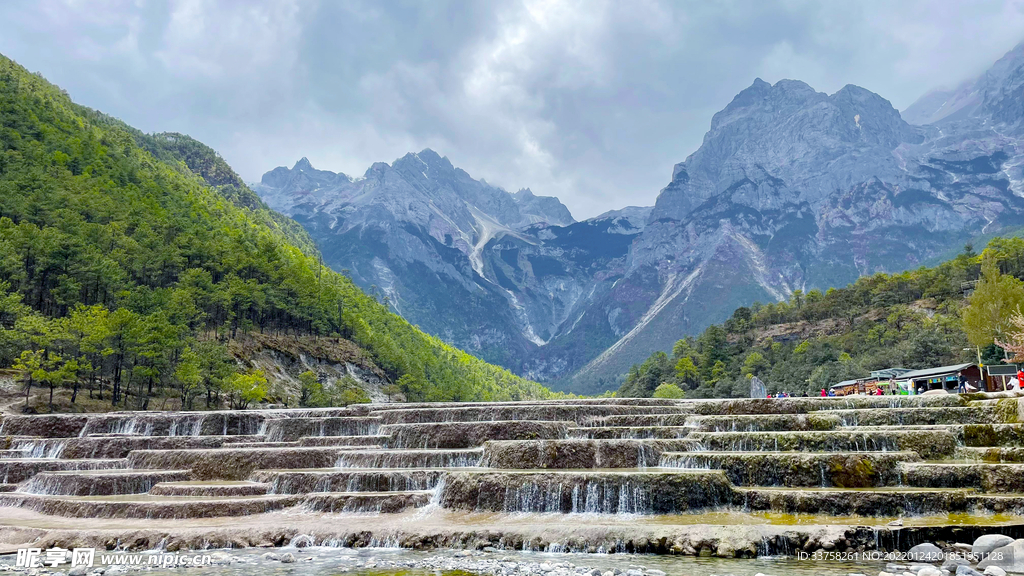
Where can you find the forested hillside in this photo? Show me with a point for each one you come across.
(129, 261)
(915, 319)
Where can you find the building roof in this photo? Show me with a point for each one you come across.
(889, 372)
(844, 383)
(928, 372)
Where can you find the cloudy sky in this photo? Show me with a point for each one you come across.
(592, 101)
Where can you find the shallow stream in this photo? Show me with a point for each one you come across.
(325, 561)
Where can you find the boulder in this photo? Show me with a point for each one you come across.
(994, 571)
(989, 542)
(1010, 558)
(967, 571)
(926, 552)
(287, 558)
(929, 571)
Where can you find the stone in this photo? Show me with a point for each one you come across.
(271, 556)
(989, 542)
(963, 546)
(1010, 558)
(929, 571)
(926, 552)
(967, 571)
(994, 571)
(634, 572)
(287, 558)
(653, 572)
(78, 571)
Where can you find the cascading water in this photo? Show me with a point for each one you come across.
(50, 448)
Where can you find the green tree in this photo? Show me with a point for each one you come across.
(755, 364)
(667, 390)
(392, 390)
(687, 373)
(246, 388)
(310, 390)
(991, 306)
(189, 374)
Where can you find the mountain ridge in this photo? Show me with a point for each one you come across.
(791, 189)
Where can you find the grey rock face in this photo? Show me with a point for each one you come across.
(495, 273)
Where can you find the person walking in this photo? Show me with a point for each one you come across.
(961, 379)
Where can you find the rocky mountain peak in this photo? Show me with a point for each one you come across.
(783, 133)
(303, 164)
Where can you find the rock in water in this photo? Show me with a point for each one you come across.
(926, 552)
(989, 542)
(1010, 558)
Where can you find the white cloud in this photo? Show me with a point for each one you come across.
(590, 100)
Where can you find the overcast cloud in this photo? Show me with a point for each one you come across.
(591, 101)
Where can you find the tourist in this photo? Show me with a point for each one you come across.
(1020, 374)
(961, 383)
(823, 393)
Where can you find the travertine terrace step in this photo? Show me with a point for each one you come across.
(986, 477)
(587, 491)
(236, 463)
(918, 416)
(372, 440)
(419, 458)
(893, 501)
(16, 470)
(629, 432)
(576, 453)
(291, 429)
(214, 488)
(841, 469)
(994, 454)
(349, 480)
(552, 412)
(469, 434)
(929, 444)
(107, 447)
(99, 482)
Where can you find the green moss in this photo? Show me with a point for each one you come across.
(1008, 410)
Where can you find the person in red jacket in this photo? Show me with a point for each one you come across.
(823, 393)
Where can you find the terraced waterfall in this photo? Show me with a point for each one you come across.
(729, 478)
